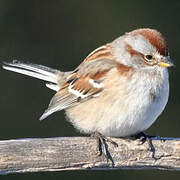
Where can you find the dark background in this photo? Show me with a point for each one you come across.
(59, 34)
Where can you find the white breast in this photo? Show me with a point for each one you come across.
(140, 107)
(123, 109)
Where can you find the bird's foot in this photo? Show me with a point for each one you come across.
(147, 138)
(103, 146)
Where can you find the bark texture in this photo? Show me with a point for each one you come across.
(77, 153)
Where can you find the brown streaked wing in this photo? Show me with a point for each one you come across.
(103, 52)
(61, 100)
(77, 90)
(84, 83)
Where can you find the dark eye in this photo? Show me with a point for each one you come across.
(148, 57)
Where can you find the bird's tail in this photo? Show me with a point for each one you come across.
(37, 71)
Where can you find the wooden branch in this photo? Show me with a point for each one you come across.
(77, 153)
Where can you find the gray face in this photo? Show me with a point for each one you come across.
(143, 54)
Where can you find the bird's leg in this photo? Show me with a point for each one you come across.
(146, 138)
(103, 146)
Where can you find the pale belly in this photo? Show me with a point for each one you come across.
(112, 115)
(132, 120)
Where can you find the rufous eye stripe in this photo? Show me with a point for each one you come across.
(131, 51)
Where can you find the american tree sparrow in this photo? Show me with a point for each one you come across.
(119, 89)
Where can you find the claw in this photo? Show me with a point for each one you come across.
(103, 146)
(146, 138)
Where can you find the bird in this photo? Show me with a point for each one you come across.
(118, 90)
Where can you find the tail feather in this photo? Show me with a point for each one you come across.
(33, 70)
(53, 86)
(54, 80)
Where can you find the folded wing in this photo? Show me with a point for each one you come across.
(84, 83)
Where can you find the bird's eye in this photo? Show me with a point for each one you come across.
(148, 57)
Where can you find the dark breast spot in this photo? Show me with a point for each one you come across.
(152, 95)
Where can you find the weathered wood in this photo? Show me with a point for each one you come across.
(77, 153)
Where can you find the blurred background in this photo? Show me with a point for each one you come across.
(60, 34)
